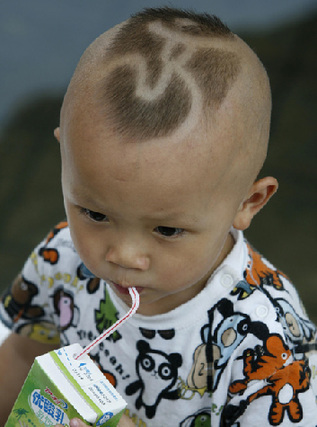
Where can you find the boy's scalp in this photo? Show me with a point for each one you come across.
(163, 67)
(164, 76)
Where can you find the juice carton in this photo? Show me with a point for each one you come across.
(66, 383)
(60, 387)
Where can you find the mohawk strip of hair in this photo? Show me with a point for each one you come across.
(161, 70)
(201, 23)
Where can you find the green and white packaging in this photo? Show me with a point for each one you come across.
(59, 388)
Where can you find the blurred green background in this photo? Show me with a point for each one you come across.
(285, 231)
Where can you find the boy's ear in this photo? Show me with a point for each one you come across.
(259, 194)
(56, 134)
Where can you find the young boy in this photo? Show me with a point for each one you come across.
(164, 130)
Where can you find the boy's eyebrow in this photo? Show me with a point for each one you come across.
(170, 217)
(82, 199)
(86, 201)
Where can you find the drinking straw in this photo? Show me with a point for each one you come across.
(135, 305)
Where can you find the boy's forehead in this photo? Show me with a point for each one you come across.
(162, 172)
(95, 152)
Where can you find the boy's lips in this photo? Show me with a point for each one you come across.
(125, 290)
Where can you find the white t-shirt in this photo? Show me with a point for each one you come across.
(241, 353)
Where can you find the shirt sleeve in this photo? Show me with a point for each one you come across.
(27, 306)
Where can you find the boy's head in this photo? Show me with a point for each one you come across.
(164, 129)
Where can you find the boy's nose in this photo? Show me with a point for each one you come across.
(127, 256)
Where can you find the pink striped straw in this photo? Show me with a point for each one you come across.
(135, 305)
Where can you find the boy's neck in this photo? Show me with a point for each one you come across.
(163, 306)
(227, 248)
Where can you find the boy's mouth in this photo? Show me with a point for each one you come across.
(125, 290)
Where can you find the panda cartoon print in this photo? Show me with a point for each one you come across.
(157, 371)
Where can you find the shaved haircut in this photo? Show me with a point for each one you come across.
(164, 68)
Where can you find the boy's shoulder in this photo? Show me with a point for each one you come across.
(58, 236)
(267, 295)
(260, 289)
(55, 255)
(57, 242)
(252, 271)
(52, 266)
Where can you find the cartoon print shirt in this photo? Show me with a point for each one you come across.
(241, 353)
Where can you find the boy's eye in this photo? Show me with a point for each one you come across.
(95, 216)
(169, 231)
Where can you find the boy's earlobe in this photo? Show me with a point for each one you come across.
(259, 194)
(56, 134)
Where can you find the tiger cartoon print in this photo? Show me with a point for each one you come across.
(277, 375)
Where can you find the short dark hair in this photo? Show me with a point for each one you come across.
(147, 58)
